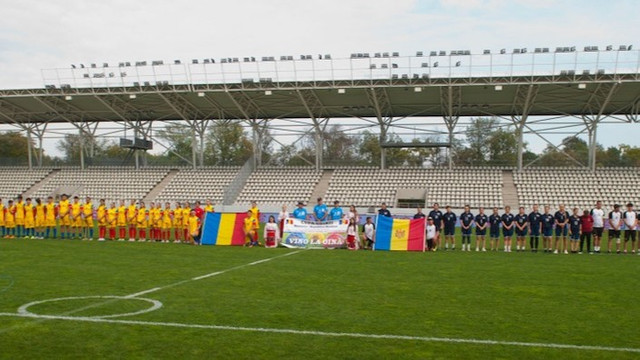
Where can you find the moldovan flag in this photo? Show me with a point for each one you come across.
(400, 234)
(223, 229)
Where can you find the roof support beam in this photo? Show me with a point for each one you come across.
(598, 101)
(523, 102)
(379, 99)
(450, 102)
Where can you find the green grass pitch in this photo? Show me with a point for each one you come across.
(544, 299)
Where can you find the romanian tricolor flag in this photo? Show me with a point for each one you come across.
(223, 229)
(400, 234)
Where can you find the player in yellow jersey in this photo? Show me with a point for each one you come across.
(194, 228)
(10, 220)
(255, 213)
(177, 223)
(64, 213)
(87, 219)
(76, 218)
(50, 215)
(167, 213)
(132, 213)
(19, 215)
(186, 211)
(112, 220)
(40, 219)
(101, 216)
(209, 207)
(29, 219)
(251, 230)
(142, 221)
(121, 222)
(2, 211)
(157, 222)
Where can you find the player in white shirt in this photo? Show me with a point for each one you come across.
(431, 234)
(630, 219)
(615, 222)
(284, 214)
(369, 233)
(598, 225)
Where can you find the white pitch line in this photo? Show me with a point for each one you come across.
(220, 272)
(331, 334)
(143, 292)
(148, 291)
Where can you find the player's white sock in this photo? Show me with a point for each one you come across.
(446, 245)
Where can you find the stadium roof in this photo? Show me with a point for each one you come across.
(578, 95)
(382, 85)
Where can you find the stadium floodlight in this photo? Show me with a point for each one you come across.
(417, 89)
(622, 48)
(503, 51)
(609, 47)
(435, 64)
(68, 97)
(82, 66)
(268, 92)
(132, 96)
(582, 86)
(194, 61)
(93, 66)
(200, 94)
(458, 63)
(105, 65)
(73, 66)
(498, 88)
(486, 52)
(419, 53)
(177, 62)
(342, 91)
(629, 47)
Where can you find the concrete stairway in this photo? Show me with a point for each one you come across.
(153, 194)
(39, 184)
(509, 191)
(322, 186)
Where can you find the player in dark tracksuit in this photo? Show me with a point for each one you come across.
(466, 223)
(547, 228)
(494, 229)
(522, 221)
(449, 219)
(436, 215)
(481, 229)
(535, 224)
(507, 228)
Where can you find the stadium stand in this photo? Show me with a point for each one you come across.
(274, 186)
(201, 184)
(578, 187)
(367, 186)
(111, 183)
(17, 180)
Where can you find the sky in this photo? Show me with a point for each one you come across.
(41, 34)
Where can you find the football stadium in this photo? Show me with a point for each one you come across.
(409, 245)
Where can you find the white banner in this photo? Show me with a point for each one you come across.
(316, 235)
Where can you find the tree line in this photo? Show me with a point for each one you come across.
(228, 142)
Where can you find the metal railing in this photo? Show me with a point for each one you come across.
(361, 66)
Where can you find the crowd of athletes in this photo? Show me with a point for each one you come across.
(565, 231)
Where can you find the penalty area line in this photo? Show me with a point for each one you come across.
(330, 334)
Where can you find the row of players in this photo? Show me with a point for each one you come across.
(576, 227)
(23, 218)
